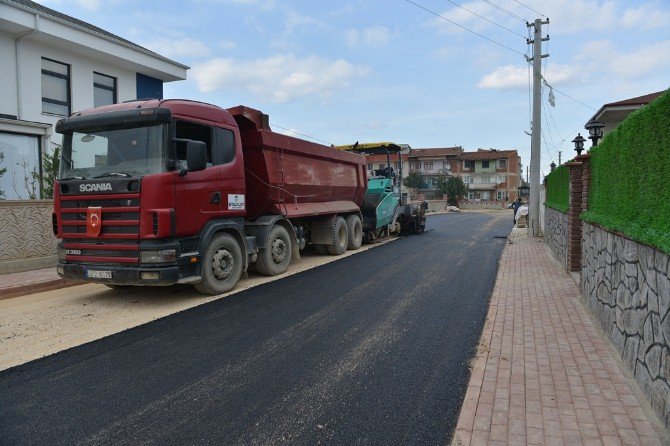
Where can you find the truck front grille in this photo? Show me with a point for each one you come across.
(118, 241)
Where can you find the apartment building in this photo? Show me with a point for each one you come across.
(490, 175)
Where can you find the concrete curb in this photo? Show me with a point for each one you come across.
(49, 285)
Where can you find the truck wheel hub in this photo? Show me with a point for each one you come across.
(222, 264)
(278, 250)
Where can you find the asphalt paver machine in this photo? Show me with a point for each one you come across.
(385, 209)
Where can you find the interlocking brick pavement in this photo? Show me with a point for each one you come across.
(543, 374)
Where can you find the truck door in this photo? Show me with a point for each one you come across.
(198, 195)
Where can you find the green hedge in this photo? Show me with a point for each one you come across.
(630, 182)
(558, 189)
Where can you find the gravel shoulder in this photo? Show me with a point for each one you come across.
(41, 324)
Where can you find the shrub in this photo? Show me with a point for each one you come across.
(558, 189)
(630, 177)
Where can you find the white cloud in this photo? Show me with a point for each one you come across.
(175, 48)
(89, 5)
(373, 37)
(295, 20)
(603, 59)
(511, 77)
(279, 78)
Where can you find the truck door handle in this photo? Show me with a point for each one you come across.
(216, 198)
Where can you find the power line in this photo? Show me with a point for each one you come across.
(463, 27)
(505, 11)
(567, 95)
(490, 21)
(303, 134)
(531, 9)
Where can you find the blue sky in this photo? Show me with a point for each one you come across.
(346, 71)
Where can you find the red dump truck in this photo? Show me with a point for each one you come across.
(159, 192)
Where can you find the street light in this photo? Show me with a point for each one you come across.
(552, 166)
(579, 143)
(595, 129)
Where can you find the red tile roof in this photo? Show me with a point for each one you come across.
(640, 100)
(439, 151)
(487, 154)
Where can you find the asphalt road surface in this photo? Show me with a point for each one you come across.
(372, 349)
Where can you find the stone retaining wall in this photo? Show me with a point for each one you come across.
(556, 234)
(26, 237)
(626, 286)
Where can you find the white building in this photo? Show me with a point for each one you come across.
(53, 65)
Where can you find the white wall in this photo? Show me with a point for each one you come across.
(8, 77)
(81, 80)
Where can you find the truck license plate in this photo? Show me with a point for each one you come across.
(93, 274)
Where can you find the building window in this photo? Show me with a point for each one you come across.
(468, 165)
(428, 165)
(414, 166)
(485, 164)
(369, 166)
(502, 195)
(396, 166)
(467, 179)
(104, 90)
(381, 166)
(21, 159)
(502, 164)
(55, 87)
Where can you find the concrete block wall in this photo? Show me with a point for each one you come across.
(26, 237)
(556, 234)
(626, 285)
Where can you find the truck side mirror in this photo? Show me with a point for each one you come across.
(196, 155)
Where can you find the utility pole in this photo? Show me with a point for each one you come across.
(559, 158)
(534, 209)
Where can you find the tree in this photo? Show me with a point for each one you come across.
(2, 172)
(50, 167)
(413, 180)
(453, 188)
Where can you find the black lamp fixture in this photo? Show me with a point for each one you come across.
(552, 166)
(579, 143)
(595, 129)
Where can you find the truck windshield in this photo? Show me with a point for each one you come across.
(132, 151)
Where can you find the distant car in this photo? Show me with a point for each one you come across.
(509, 206)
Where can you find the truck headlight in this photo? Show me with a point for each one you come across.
(162, 256)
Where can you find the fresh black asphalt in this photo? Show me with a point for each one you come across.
(371, 349)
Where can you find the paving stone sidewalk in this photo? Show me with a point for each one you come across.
(19, 284)
(543, 374)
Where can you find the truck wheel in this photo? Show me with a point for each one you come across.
(354, 232)
(338, 244)
(276, 258)
(222, 265)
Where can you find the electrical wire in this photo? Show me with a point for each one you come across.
(463, 27)
(531, 9)
(303, 134)
(488, 20)
(568, 96)
(505, 11)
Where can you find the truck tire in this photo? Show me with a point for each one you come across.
(221, 265)
(338, 244)
(354, 232)
(276, 258)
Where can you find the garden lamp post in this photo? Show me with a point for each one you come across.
(579, 143)
(595, 129)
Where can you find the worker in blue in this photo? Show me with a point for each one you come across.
(515, 207)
